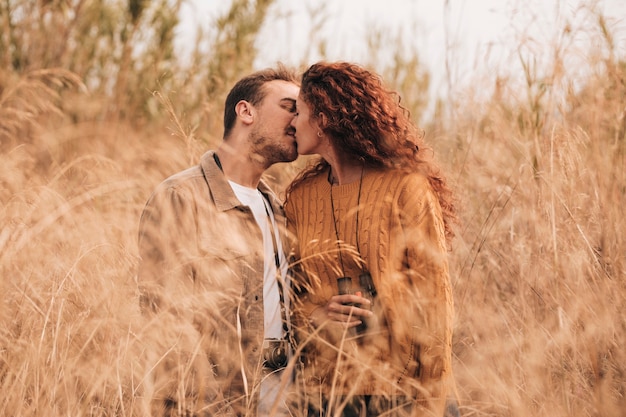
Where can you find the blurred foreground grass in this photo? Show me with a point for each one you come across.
(538, 268)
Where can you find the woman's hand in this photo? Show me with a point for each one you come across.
(345, 310)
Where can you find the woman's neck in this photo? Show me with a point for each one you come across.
(343, 168)
(340, 174)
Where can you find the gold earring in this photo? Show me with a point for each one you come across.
(319, 133)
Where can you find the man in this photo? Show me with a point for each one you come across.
(212, 275)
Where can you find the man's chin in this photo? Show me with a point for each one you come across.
(285, 157)
(291, 158)
(292, 155)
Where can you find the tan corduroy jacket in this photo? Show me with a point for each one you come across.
(201, 288)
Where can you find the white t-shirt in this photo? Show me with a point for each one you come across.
(260, 207)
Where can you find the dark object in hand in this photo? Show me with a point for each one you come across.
(368, 290)
(367, 285)
(344, 285)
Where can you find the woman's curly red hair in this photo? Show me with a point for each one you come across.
(367, 122)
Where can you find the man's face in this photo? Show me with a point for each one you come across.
(273, 136)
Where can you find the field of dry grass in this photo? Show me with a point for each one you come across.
(538, 266)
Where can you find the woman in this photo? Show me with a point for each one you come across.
(372, 208)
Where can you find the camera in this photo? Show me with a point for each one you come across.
(275, 353)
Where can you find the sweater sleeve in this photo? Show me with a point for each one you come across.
(424, 326)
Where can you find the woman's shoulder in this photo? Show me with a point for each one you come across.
(402, 179)
(311, 181)
(305, 189)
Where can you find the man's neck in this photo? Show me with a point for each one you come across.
(238, 166)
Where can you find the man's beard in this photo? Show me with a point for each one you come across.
(267, 152)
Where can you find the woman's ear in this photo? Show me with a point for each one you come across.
(322, 121)
(245, 111)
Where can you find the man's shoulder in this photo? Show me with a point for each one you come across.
(191, 177)
(188, 174)
(181, 180)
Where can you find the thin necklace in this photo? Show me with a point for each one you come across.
(332, 207)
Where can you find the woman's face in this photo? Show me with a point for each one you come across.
(309, 136)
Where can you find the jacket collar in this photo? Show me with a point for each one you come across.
(223, 194)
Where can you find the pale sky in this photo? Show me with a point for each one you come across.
(473, 35)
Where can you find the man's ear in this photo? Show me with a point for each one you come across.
(245, 111)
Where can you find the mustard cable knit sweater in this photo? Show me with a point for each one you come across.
(407, 347)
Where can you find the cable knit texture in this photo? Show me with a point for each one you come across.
(406, 349)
